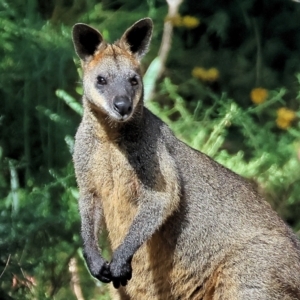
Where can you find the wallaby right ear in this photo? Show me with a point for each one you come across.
(86, 40)
(138, 37)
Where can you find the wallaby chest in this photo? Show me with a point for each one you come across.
(117, 187)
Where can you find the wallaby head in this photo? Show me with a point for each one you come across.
(112, 79)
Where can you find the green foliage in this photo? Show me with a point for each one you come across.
(39, 219)
(40, 111)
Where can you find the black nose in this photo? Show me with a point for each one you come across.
(122, 105)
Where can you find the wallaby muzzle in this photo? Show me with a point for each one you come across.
(122, 105)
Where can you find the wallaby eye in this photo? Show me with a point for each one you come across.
(133, 81)
(101, 80)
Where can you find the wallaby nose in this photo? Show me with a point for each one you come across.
(122, 105)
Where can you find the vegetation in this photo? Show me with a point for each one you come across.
(230, 87)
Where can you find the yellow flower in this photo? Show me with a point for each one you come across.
(285, 117)
(175, 20)
(198, 72)
(211, 74)
(186, 21)
(190, 22)
(258, 95)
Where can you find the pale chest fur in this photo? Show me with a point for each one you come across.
(117, 187)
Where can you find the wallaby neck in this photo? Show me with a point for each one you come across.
(107, 129)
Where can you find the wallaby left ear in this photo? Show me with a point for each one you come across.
(86, 40)
(138, 37)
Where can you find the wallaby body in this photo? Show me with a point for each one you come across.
(181, 225)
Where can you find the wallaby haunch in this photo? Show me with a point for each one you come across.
(180, 225)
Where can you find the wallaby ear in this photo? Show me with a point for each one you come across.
(86, 40)
(138, 37)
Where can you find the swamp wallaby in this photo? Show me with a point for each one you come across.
(180, 225)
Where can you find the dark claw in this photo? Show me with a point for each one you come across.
(129, 275)
(116, 283)
(104, 279)
(124, 281)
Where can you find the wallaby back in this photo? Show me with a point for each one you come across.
(180, 225)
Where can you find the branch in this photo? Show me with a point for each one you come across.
(75, 281)
(7, 262)
(160, 62)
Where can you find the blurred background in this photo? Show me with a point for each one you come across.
(225, 76)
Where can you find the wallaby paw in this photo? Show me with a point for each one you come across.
(102, 272)
(121, 271)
